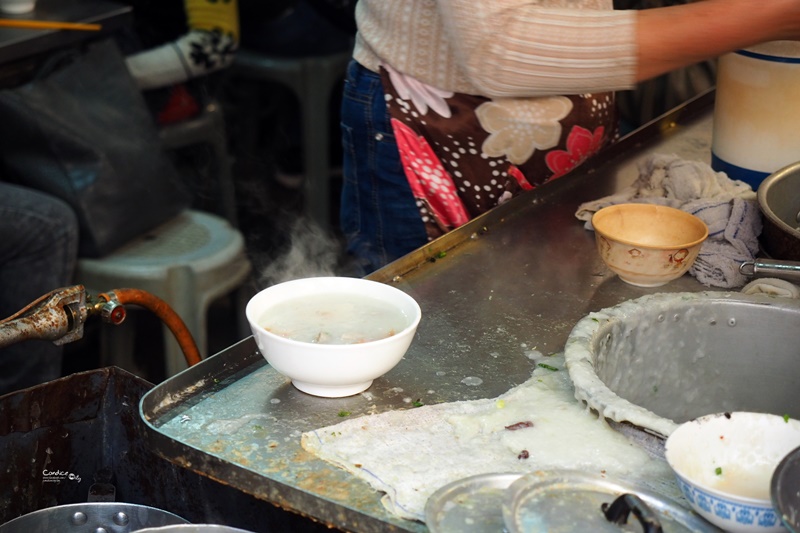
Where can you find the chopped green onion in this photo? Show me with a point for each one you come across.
(718, 471)
(344, 413)
(547, 367)
(786, 418)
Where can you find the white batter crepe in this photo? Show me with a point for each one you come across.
(409, 454)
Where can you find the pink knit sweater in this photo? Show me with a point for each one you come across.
(501, 48)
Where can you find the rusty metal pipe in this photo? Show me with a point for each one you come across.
(49, 324)
(164, 312)
(57, 316)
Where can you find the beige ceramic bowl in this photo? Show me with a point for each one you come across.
(648, 245)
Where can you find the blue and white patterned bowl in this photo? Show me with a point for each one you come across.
(729, 513)
(724, 463)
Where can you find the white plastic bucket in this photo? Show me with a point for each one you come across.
(757, 111)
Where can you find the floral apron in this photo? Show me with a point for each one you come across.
(464, 154)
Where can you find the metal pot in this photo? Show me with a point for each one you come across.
(112, 517)
(779, 202)
(785, 487)
(666, 358)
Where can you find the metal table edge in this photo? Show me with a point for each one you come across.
(168, 399)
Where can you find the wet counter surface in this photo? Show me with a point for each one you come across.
(494, 295)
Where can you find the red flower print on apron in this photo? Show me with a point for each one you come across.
(464, 154)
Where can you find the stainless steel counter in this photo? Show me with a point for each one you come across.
(522, 275)
(512, 281)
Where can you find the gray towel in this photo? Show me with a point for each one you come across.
(727, 206)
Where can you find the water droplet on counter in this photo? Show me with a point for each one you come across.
(731, 322)
(472, 381)
(441, 373)
(534, 355)
(275, 400)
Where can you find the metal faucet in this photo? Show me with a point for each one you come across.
(58, 316)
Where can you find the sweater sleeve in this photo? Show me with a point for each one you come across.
(209, 45)
(523, 49)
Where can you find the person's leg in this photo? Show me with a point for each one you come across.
(38, 251)
(379, 216)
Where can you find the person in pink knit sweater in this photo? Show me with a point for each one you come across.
(451, 107)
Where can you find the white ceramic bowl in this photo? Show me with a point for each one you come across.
(333, 370)
(648, 245)
(724, 463)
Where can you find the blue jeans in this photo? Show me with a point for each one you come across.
(379, 216)
(38, 251)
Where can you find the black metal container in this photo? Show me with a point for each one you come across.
(80, 439)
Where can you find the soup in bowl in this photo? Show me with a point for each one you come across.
(332, 336)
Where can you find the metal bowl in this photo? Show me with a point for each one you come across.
(779, 202)
(663, 359)
(193, 528)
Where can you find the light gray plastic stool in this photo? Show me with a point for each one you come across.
(312, 79)
(188, 262)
